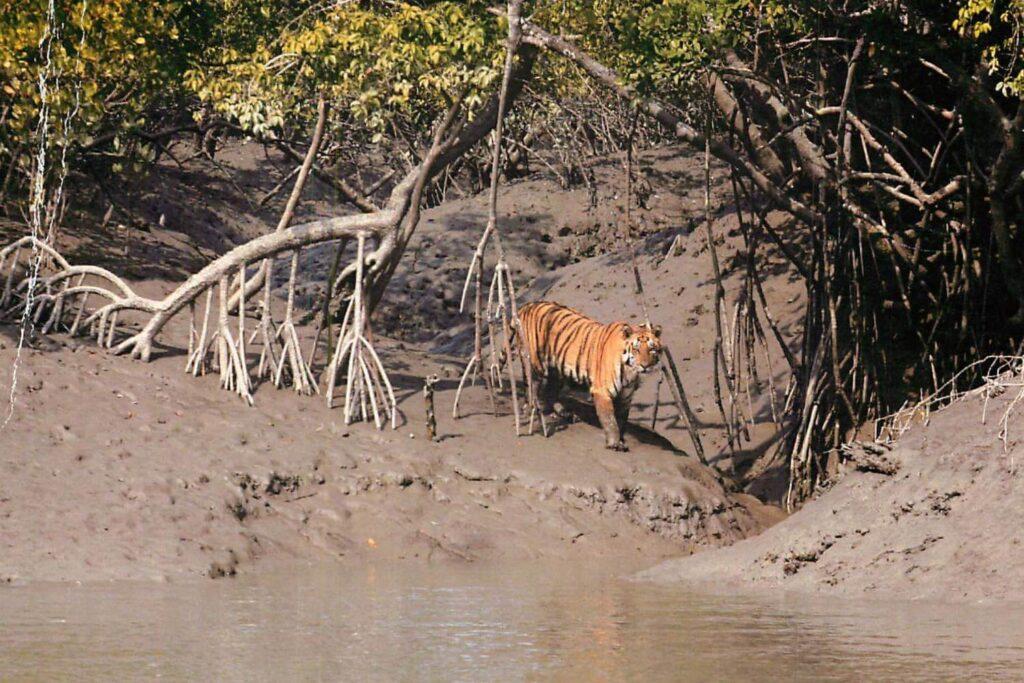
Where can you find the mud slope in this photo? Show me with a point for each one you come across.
(111, 468)
(545, 228)
(949, 524)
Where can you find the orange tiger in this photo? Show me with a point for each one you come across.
(609, 359)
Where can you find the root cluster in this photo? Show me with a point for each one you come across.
(216, 339)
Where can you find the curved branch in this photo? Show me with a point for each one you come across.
(813, 163)
(32, 242)
(69, 271)
(746, 129)
(140, 345)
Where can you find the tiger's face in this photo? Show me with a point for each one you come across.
(642, 346)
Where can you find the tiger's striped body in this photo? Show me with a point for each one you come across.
(608, 359)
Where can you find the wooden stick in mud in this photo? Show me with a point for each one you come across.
(675, 386)
(428, 401)
(657, 402)
(720, 364)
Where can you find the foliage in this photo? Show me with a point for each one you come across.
(998, 29)
(377, 61)
(386, 64)
(110, 63)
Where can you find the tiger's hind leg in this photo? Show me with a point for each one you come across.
(550, 391)
(606, 409)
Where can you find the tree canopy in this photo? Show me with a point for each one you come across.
(126, 66)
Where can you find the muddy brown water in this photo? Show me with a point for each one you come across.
(471, 623)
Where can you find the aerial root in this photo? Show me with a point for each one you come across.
(991, 376)
(221, 344)
(474, 365)
(197, 343)
(367, 388)
(500, 312)
(471, 373)
(291, 353)
(265, 329)
(60, 301)
(56, 288)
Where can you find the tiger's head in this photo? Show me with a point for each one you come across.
(641, 346)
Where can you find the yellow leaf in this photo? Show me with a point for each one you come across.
(140, 41)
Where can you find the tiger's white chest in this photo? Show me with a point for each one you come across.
(629, 373)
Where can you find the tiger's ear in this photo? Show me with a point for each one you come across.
(627, 330)
(657, 331)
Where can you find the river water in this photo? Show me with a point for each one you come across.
(480, 623)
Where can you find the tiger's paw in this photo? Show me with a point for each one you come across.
(560, 411)
(621, 446)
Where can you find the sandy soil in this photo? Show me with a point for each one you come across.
(945, 526)
(110, 468)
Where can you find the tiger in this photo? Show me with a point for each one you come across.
(609, 360)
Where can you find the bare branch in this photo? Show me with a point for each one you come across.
(541, 38)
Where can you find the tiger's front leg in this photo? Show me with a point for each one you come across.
(550, 386)
(605, 407)
(622, 405)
